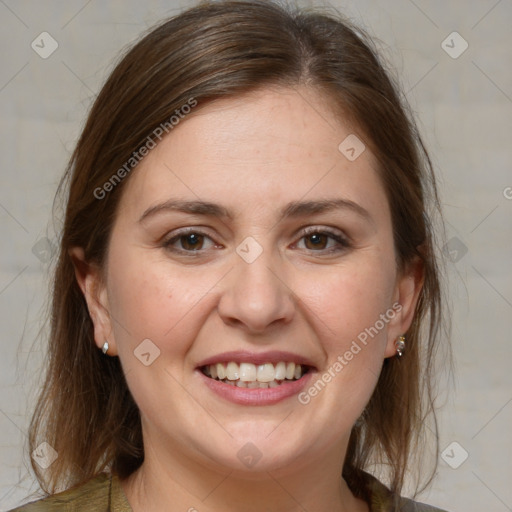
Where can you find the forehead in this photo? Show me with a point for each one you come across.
(275, 144)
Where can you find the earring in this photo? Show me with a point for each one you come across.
(104, 349)
(400, 345)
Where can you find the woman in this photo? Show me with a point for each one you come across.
(247, 303)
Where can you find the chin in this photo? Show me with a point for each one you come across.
(252, 457)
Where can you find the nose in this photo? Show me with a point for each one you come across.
(256, 296)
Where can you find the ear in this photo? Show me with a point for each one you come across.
(407, 291)
(94, 289)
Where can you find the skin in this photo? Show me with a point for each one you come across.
(252, 155)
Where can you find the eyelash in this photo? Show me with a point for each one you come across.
(341, 240)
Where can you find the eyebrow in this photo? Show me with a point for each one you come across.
(192, 207)
(291, 210)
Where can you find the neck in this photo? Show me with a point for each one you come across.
(187, 485)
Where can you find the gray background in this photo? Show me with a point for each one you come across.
(465, 109)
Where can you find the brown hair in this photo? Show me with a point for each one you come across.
(217, 50)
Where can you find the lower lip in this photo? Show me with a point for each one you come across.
(256, 396)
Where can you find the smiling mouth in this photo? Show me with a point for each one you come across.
(252, 376)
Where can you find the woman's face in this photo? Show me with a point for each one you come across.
(247, 245)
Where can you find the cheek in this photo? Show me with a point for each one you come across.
(345, 310)
(348, 299)
(149, 299)
(152, 300)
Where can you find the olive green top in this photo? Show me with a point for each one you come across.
(105, 494)
(100, 494)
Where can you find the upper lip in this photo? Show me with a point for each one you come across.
(240, 356)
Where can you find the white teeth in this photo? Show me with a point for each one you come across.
(266, 372)
(249, 375)
(232, 372)
(221, 371)
(280, 371)
(247, 372)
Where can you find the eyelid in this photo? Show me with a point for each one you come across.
(323, 230)
(186, 231)
(339, 236)
(168, 240)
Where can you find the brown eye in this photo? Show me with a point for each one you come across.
(323, 241)
(318, 241)
(191, 241)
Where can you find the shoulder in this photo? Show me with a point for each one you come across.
(92, 495)
(407, 505)
(381, 499)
